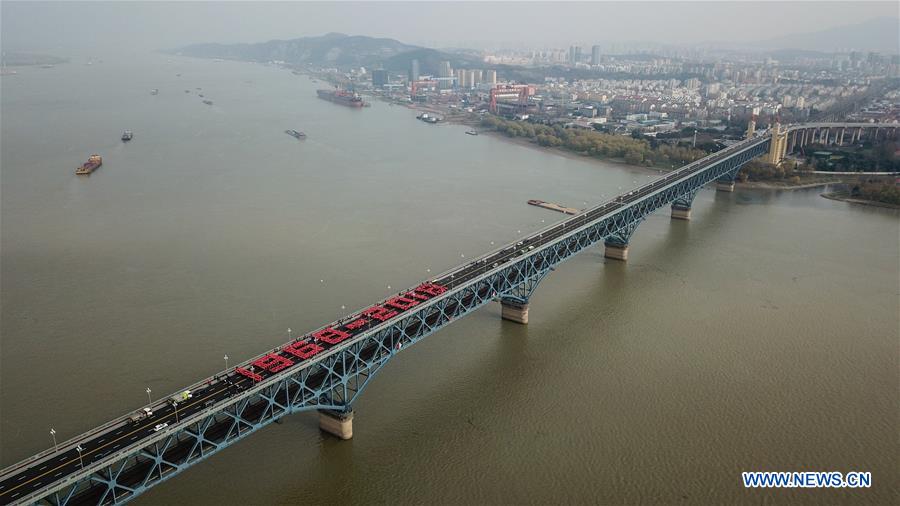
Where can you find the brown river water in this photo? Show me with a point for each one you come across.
(760, 336)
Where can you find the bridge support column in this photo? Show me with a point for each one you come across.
(616, 251)
(681, 207)
(681, 212)
(336, 423)
(725, 185)
(514, 311)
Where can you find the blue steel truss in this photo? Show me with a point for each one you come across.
(335, 379)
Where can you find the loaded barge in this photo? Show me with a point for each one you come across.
(93, 163)
(554, 207)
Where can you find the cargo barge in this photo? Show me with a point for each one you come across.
(93, 163)
(554, 207)
(342, 97)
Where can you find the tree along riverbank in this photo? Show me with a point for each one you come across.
(846, 196)
(633, 150)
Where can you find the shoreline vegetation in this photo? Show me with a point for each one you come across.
(880, 191)
(845, 196)
(634, 150)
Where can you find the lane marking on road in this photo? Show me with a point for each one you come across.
(170, 415)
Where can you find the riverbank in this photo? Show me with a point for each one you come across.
(572, 155)
(784, 185)
(805, 183)
(843, 196)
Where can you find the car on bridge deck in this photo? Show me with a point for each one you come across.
(160, 427)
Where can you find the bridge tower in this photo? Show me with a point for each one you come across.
(778, 147)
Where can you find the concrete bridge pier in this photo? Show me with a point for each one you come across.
(725, 184)
(616, 250)
(681, 207)
(337, 423)
(514, 310)
(680, 212)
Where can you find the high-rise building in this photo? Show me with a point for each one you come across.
(595, 55)
(444, 69)
(574, 54)
(414, 70)
(476, 77)
(490, 77)
(461, 78)
(379, 78)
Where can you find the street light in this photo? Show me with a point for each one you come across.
(149, 399)
(289, 334)
(226, 361)
(80, 449)
(53, 433)
(175, 403)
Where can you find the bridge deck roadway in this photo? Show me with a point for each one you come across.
(51, 470)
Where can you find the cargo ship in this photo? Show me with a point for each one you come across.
(342, 97)
(93, 163)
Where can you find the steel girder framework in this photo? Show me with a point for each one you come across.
(338, 377)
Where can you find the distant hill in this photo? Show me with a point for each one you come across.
(333, 49)
(879, 34)
(16, 59)
(429, 59)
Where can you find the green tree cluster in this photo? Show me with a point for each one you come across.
(877, 189)
(633, 149)
(758, 170)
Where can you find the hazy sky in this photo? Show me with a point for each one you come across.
(66, 28)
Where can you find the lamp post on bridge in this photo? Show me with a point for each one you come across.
(176, 410)
(80, 460)
(149, 399)
(53, 434)
(226, 361)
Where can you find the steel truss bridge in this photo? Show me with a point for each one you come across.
(123, 458)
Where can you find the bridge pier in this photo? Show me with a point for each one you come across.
(681, 207)
(616, 251)
(725, 185)
(681, 212)
(514, 311)
(336, 423)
